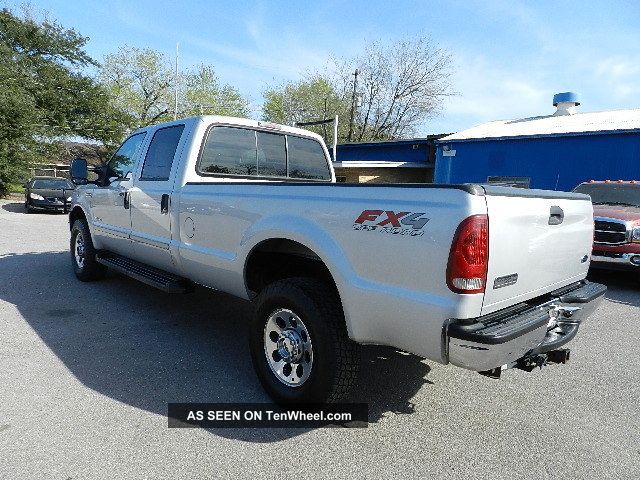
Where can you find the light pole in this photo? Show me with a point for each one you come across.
(175, 107)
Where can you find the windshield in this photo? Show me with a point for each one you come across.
(611, 193)
(52, 184)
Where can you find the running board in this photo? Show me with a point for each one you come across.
(165, 281)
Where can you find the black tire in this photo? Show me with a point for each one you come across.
(336, 358)
(90, 269)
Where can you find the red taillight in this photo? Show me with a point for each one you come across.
(469, 257)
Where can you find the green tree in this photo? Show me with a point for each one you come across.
(46, 98)
(313, 98)
(142, 82)
(396, 89)
(203, 94)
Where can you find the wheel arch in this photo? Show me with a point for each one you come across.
(76, 213)
(277, 258)
(316, 254)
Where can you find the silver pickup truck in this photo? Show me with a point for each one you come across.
(485, 278)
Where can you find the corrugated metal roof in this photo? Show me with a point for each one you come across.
(391, 143)
(550, 125)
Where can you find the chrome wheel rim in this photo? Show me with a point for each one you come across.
(79, 250)
(288, 347)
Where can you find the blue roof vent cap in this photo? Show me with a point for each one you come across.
(570, 97)
(566, 103)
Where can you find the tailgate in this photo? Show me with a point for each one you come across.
(539, 241)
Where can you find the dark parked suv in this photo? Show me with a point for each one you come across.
(48, 193)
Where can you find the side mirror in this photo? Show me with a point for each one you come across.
(79, 171)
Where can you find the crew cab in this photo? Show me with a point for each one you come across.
(616, 210)
(482, 277)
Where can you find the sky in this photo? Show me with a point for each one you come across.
(509, 57)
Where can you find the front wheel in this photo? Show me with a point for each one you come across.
(299, 343)
(83, 253)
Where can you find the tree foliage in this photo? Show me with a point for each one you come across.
(399, 86)
(312, 98)
(143, 82)
(45, 96)
(203, 94)
(140, 82)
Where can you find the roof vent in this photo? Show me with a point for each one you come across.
(566, 103)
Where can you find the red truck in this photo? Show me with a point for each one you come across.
(616, 213)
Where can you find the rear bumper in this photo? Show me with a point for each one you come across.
(535, 327)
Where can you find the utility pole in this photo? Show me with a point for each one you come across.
(353, 104)
(175, 107)
(324, 115)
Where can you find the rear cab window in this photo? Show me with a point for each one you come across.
(307, 159)
(251, 153)
(272, 154)
(229, 151)
(162, 150)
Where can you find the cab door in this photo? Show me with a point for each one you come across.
(109, 202)
(150, 199)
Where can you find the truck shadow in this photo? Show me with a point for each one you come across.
(622, 286)
(145, 348)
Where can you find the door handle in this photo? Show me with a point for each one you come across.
(127, 200)
(164, 203)
(556, 215)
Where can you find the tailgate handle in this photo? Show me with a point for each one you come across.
(556, 215)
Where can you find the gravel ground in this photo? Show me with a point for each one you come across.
(86, 371)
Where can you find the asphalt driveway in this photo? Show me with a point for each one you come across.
(87, 370)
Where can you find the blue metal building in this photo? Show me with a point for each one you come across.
(410, 160)
(555, 152)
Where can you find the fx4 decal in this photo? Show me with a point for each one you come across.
(386, 221)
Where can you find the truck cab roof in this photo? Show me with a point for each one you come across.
(237, 121)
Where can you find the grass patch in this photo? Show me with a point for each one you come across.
(15, 188)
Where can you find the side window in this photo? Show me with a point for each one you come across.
(230, 151)
(272, 155)
(306, 159)
(162, 150)
(123, 160)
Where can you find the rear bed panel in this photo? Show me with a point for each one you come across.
(522, 242)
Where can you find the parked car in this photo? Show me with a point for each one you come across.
(482, 277)
(616, 210)
(48, 193)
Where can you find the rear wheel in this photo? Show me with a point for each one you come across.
(83, 253)
(299, 343)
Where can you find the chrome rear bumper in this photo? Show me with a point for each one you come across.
(505, 337)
